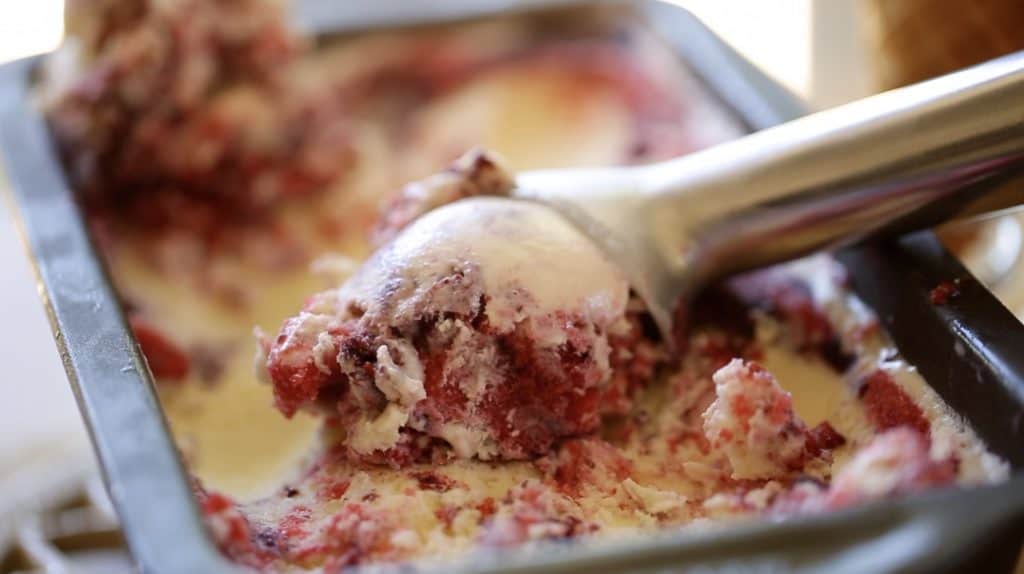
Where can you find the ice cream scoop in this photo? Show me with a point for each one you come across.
(493, 327)
(490, 324)
(900, 161)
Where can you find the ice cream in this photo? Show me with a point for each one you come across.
(487, 326)
(486, 379)
(752, 421)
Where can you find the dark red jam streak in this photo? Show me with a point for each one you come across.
(234, 536)
(552, 396)
(435, 481)
(888, 405)
(823, 437)
(167, 361)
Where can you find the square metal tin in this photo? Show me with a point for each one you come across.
(968, 350)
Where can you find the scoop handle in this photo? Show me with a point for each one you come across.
(907, 159)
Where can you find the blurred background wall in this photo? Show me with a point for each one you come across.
(812, 46)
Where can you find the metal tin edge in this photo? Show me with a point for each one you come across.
(107, 372)
(147, 482)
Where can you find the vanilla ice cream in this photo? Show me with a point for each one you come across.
(465, 329)
(486, 377)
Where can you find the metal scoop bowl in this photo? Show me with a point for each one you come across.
(901, 161)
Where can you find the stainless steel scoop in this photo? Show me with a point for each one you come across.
(900, 161)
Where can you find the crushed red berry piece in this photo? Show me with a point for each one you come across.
(232, 530)
(533, 511)
(944, 291)
(167, 360)
(823, 437)
(446, 515)
(577, 463)
(293, 525)
(487, 507)
(888, 405)
(432, 480)
(896, 462)
(333, 489)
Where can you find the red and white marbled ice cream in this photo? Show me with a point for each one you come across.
(489, 325)
(752, 422)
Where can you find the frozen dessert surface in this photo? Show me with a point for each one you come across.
(486, 379)
(177, 118)
(464, 329)
(597, 433)
(753, 423)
